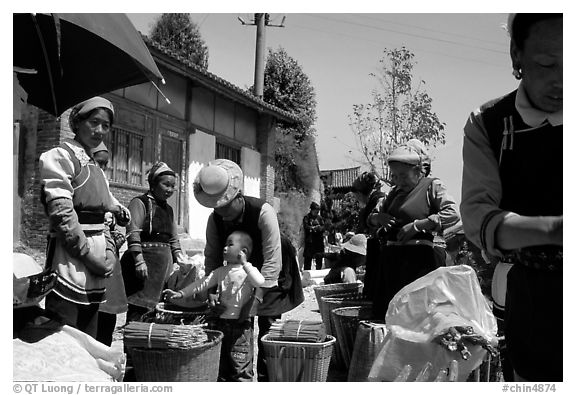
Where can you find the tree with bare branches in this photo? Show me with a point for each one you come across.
(400, 110)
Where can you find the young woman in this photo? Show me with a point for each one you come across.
(76, 197)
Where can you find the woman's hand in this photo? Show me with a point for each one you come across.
(383, 220)
(406, 232)
(141, 270)
(169, 295)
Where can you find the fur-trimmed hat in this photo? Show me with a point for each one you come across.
(218, 183)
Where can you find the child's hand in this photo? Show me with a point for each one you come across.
(169, 294)
(242, 257)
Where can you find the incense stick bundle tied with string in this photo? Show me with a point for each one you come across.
(151, 335)
(298, 330)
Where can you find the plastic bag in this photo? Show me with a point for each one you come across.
(425, 309)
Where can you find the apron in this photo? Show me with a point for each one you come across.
(147, 293)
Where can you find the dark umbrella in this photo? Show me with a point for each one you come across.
(77, 56)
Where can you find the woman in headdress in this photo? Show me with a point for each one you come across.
(153, 243)
(417, 208)
(76, 197)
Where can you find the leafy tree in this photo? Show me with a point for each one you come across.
(179, 33)
(400, 110)
(287, 87)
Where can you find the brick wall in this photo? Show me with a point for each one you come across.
(40, 132)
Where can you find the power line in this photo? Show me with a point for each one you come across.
(380, 42)
(435, 30)
(407, 34)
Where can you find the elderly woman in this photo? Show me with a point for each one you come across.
(509, 144)
(76, 197)
(417, 208)
(153, 243)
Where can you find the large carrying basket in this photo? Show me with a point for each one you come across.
(332, 289)
(199, 363)
(369, 341)
(297, 361)
(333, 302)
(346, 320)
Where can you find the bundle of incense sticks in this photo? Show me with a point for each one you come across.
(298, 330)
(151, 335)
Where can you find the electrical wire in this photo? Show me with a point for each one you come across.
(407, 34)
(380, 42)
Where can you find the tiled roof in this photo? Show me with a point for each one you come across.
(219, 84)
(340, 178)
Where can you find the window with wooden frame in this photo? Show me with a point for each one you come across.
(126, 164)
(225, 151)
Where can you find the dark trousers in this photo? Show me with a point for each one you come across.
(106, 325)
(237, 350)
(308, 261)
(81, 317)
(264, 324)
(135, 313)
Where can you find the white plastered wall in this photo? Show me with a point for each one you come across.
(250, 163)
(202, 150)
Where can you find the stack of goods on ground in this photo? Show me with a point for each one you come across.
(298, 350)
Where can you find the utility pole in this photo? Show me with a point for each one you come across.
(261, 20)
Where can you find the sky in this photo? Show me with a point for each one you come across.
(462, 58)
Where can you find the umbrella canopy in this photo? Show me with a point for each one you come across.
(78, 56)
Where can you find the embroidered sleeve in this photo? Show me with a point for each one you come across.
(56, 172)
(134, 228)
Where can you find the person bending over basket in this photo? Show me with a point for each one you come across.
(237, 281)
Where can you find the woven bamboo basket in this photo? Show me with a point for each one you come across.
(369, 341)
(199, 363)
(297, 361)
(346, 320)
(176, 315)
(332, 289)
(333, 302)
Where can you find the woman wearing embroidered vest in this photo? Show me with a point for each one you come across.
(509, 144)
(417, 208)
(76, 196)
(153, 243)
